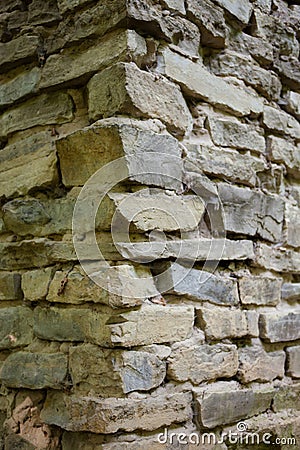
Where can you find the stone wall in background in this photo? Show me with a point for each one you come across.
(213, 88)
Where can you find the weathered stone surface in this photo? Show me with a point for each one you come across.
(34, 370)
(65, 5)
(43, 12)
(293, 361)
(16, 327)
(290, 291)
(198, 82)
(10, 286)
(46, 109)
(283, 151)
(174, 5)
(261, 50)
(221, 323)
(292, 224)
(277, 120)
(82, 153)
(257, 290)
(231, 133)
(279, 326)
(110, 415)
(35, 284)
(289, 70)
(293, 103)
(124, 88)
(197, 284)
(79, 63)
(28, 164)
(258, 365)
(21, 86)
(197, 362)
(287, 397)
(18, 50)
(233, 404)
(111, 373)
(233, 64)
(226, 163)
(280, 260)
(210, 20)
(241, 10)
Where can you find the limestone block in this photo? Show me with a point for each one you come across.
(124, 88)
(258, 365)
(82, 153)
(292, 223)
(28, 164)
(287, 397)
(78, 63)
(293, 103)
(290, 291)
(35, 283)
(221, 323)
(293, 361)
(16, 327)
(279, 326)
(233, 404)
(34, 370)
(231, 133)
(282, 151)
(226, 163)
(10, 286)
(19, 50)
(277, 120)
(251, 212)
(175, 5)
(233, 64)
(21, 86)
(240, 10)
(46, 109)
(197, 284)
(261, 50)
(198, 82)
(111, 373)
(280, 260)
(257, 290)
(197, 362)
(289, 70)
(110, 415)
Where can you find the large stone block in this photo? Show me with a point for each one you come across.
(21, 86)
(279, 326)
(234, 404)
(282, 151)
(277, 120)
(198, 82)
(113, 373)
(82, 153)
(18, 51)
(27, 164)
(34, 370)
(110, 415)
(251, 212)
(46, 109)
(16, 327)
(240, 11)
(221, 323)
(293, 361)
(125, 89)
(290, 291)
(231, 133)
(292, 224)
(278, 259)
(261, 50)
(289, 70)
(73, 65)
(257, 290)
(10, 286)
(35, 283)
(293, 103)
(197, 362)
(258, 365)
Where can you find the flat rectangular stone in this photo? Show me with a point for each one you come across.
(198, 82)
(257, 290)
(278, 259)
(279, 326)
(16, 327)
(35, 284)
(277, 120)
(110, 415)
(35, 370)
(18, 51)
(221, 322)
(292, 224)
(290, 291)
(21, 86)
(293, 361)
(125, 89)
(10, 286)
(255, 364)
(282, 151)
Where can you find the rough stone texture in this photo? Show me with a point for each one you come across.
(241, 10)
(259, 365)
(16, 327)
(289, 70)
(110, 415)
(220, 323)
(35, 284)
(293, 361)
(10, 286)
(18, 50)
(292, 222)
(287, 397)
(290, 291)
(279, 326)
(34, 370)
(256, 290)
(124, 88)
(280, 260)
(197, 362)
(110, 373)
(293, 103)
(276, 120)
(19, 87)
(282, 151)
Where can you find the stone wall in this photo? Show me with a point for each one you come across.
(193, 333)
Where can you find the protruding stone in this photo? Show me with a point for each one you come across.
(282, 151)
(21, 86)
(16, 327)
(277, 120)
(258, 365)
(257, 290)
(279, 326)
(240, 11)
(290, 291)
(35, 284)
(278, 259)
(18, 50)
(10, 286)
(293, 361)
(292, 222)
(293, 103)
